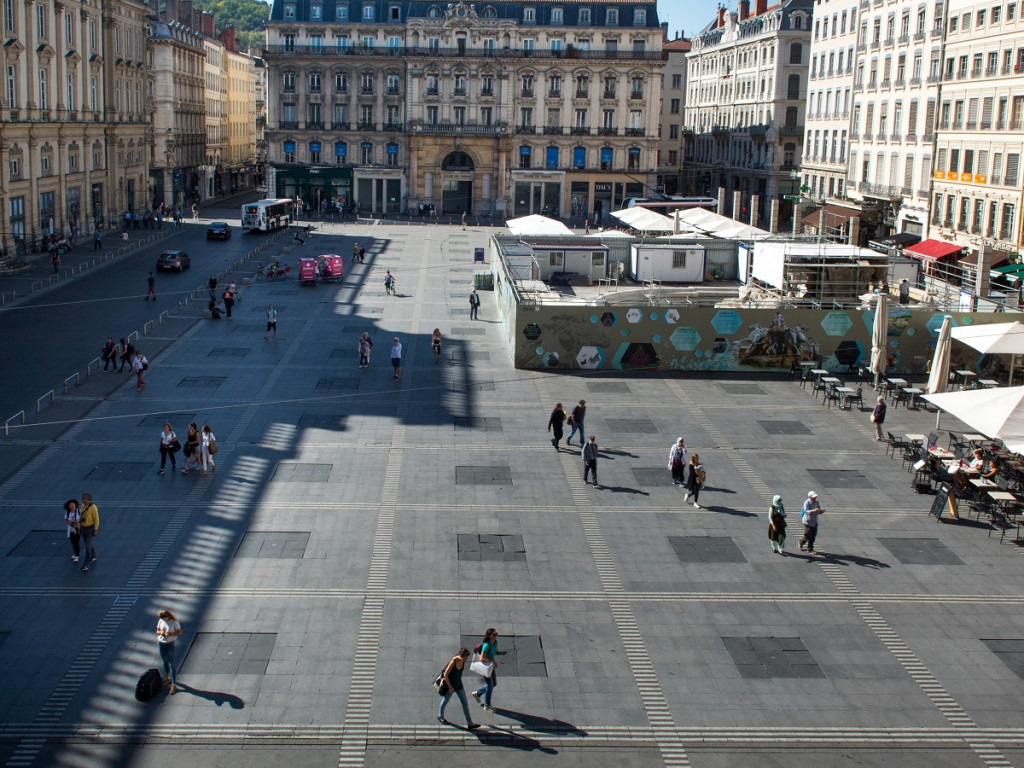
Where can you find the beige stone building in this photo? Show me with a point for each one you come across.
(512, 108)
(74, 131)
(673, 100)
(214, 92)
(240, 79)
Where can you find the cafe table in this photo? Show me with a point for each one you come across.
(966, 376)
(914, 438)
(988, 383)
(844, 393)
(911, 396)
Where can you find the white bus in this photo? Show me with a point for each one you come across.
(267, 215)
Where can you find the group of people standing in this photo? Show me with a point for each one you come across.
(576, 420)
(82, 522)
(809, 513)
(199, 449)
(688, 473)
(129, 356)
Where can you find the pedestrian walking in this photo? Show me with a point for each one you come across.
(677, 462)
(463, 221)
(474, 305)
(298, 239)
(124, 238)
(55, 261)
(555, 422)
(904, 289)
(212, 285)
(777, 525)
(878, 416)
(389, 283)
(365, 347)
(362, 254)
(396, 357)
(139, 366)
(109, 354)
(97, 240)
(488, 655)
(453, 685)
(168, 629)
(191, 449)
(126, 351)
(208, 447)
(586, 226)
(169, 445)
(576, 418)
(89, 524)
(589, 454)
(809, 517)
(72, 520)
(271, 322)
(229, 301)
(355, 253)
(694, 479)
(435, 345)
(151, 291)
(195, 211)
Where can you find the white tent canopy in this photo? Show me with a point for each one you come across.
(611, 233)
(644, 219)
(993, 338)
(717, 225)
(996, 413)
(537, 225)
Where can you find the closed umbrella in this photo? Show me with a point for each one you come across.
(938, 379)
(879, 335)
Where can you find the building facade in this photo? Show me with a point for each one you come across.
(240, 79)
(74, 131)
(508, 108)
(746, 98)
(976, 186)
(216, 121)
(673, 97)
(178, 98)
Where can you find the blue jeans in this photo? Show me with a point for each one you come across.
(167, 656)
(87, 534)
(488, 687)
(576, 427)
(465, 706)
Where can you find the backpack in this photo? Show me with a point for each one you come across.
(701, 476)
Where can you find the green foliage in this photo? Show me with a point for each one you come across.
(247, 16)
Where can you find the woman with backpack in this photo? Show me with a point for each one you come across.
(695, 480)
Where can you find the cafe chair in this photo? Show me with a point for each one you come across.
(895, 444)
(831, 395)
(933, 439)
(857, 398)
(954, 438)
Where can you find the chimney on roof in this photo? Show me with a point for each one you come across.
(185, 12)
(760, 6)
(208, 25)
(227, 36)
(721, 16)
(171, 10)
(664, 31)
(744, 9)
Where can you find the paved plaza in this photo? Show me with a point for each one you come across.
(359, 529)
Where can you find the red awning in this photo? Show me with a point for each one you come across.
(932, 250)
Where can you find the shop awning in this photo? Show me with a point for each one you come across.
(933, 250)
(1011, 273)
(834, 216)
(899, 240)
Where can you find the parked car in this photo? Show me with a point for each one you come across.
(218, 230)
(173, 261)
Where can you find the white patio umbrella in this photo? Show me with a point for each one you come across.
(534, 224)
(938, 379)
(879, 335)
(996, 413)
(994, 339)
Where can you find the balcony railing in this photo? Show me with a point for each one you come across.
(636, 95)
(366, 89)
(526, 129)
(486, 91)
(366, 126)
(465, 53)
(608, 95)
(579, 130)
(470, 129)
(791, 130)
(431, 91)
(634, 131)
(553, 130)
(289, 125)
(555, 93)
(458, 92)
(393, 90)
(918, 36)
(527, 93)
(340, 126)
(393, 127)
(607, 131)
(582, 94)
(937, 31)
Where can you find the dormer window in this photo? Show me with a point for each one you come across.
(529, 15)
(316, 12)
(490, 13)
(367, 13)
(341, 12)
(556, 15)
(584, 16)
(394, 13)
(611, 18)
(289, 10)
(639, 17)
(433, 12)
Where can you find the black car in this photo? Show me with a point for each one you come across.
(173, 261)
(218, 230)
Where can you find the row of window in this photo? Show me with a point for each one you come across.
(982, 18)
(897, 119)
(894, 178)
(978, 217)
(904, 27)
(367, 82)
(725, 62)
(556, 14)
(132, 101)
(46, 168)
(975, 162)
(839, 24)
(342, 43)
(315, 152)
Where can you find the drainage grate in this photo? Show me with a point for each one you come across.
(341, 382)
(706, 549)
(608, 386)
(229, 653)
(488, 423)
(504, 547)
(652, 478)
(156, 421)
(323, 421)
(741, 388)
(785, 427)
(620, 426)
(283, 545)
(119, 471)
(840, 478)
(298, 472)
(468, 331)
(42, 544)
(772, 657)
(252, 328)
(920, 551)
(263, 309)
(522, 655)
(483, 476)
(478, 386)
(1010, 652)
(202, 382)
(229, 352)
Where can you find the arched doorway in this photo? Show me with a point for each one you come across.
(457, 183)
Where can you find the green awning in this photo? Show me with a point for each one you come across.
(1005, 269)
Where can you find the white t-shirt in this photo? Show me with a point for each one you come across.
(167, 631)
(396, 350)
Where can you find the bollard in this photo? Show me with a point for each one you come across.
(162, 316)
(133, 335)
(88, 366)
(32, 288)
(73, 377)
(8, 422)
(147, 328)
(49, 394)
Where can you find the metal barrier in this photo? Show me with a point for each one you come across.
(147, 328)
(73, 377)
(161, 317)
(88, 366)
(32, 288)
(134, 334)
(51, 394)
(8, 422)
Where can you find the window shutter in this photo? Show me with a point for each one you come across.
(986, 113)
(1012, 164)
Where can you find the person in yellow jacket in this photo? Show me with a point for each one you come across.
(90, 526)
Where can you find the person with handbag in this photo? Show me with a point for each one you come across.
(89, 524)
(695, 480)
(452, 684)
(208, 447)
(169, 445)
(777, 525)
(71, 520)
(555, 422)
(191, 451)
(676, 457)
(488, 653)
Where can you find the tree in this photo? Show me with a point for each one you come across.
(247, 16)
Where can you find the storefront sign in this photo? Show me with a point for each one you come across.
(603, 187)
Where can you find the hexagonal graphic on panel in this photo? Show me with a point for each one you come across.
(532, 332)
(634, 316)
(671, 316)
(590, 358)
(726, 322)
(836, 323)
(609, 319)
(934, 324)
(636, 355)
(685, 338)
